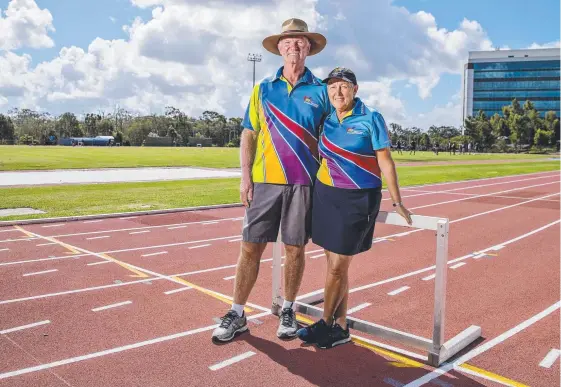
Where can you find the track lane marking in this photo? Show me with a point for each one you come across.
(483, 347)
(550, 358)
(15, 329)
(40, 272)
(111, 306)
(94, 355)
(231, 361)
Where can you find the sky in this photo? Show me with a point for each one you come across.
(88, 56)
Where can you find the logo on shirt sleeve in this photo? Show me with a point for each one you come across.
(309, 101)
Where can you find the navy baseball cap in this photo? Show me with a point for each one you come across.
(342, 73)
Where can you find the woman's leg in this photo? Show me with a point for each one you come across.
(340, 314)
(336, 285)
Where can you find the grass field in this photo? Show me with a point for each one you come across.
(13, 158)
(67, 200)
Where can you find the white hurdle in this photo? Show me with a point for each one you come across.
(437, 350)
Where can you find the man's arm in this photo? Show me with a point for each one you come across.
(247, 155)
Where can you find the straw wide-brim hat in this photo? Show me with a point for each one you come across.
(295, 27)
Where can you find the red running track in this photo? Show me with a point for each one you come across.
(156, 338)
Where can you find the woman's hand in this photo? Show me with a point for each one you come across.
(405, 213)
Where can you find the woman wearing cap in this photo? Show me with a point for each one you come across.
(355, 150)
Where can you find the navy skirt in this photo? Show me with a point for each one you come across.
(343, 220)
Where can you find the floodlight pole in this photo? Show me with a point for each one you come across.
(254, 58)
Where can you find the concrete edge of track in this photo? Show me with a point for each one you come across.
(209, 207)
(114, 215)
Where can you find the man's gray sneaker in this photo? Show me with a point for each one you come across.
(288, 325)
(231, 324)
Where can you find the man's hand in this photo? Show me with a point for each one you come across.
(246, 191)
(405, 213)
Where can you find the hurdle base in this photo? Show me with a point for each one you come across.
(455, 345)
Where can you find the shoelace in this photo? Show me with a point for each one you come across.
(287, 317)
(228, 318)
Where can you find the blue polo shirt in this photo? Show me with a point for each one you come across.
(286, 119)
(347, 148)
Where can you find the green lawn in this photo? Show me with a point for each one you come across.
(14, 158)
(90, 199)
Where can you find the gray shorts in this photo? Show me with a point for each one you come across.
(275, 205)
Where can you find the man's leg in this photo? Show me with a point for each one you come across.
(296, 229)
(247, 270)
(261, 225)
(293, 271)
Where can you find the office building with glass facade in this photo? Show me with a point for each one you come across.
(492, 79)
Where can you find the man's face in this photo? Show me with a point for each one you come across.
(294, 49)
(341, 93)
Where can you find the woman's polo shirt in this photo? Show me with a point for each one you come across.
(347, 148)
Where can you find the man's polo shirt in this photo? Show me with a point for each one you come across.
(287, 120)
(347, 148)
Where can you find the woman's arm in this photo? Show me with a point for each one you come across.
(387, 167)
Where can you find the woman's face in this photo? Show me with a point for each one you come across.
(341, 93)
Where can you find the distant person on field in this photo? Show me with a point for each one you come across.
(413, 147)
(279, 162)
(399, 146)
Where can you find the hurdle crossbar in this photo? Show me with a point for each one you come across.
(437, 350)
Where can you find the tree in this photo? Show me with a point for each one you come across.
(91, 122)
(542, 138)
(67, 125)
(551, 123)
(105, 127)
(6, 129)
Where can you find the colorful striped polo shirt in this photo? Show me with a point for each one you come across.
(287, 119)
(347, 148)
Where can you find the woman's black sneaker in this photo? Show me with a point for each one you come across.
(334, 337)
(312, 333)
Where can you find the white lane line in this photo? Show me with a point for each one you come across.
(128, 217)
(235, 240)
(550, 358)
(139, 232)
(497, 248)
(24, 327)
(4, 249)
(98, 263)
(178, 290)
(229, 278)
(432, 276)
(47, 244)
(111, 306)
(212, 222)
(360, 288)
(176, 227)
(358, 307)
(397, 291)
(479, 255)
(94, 221)
(457, 265)
(199, 246)
(231, 361)
(152, 254)
(40, 272)
(53, 225)
(94, 355)
(314, 251)
(483, 348)
(317, 256)
(98, 237)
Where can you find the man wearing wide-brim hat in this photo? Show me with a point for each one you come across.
(279, 162)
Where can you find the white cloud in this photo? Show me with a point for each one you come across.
(24, 24)
(546, 45)
(113, 20)
(192, 54)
